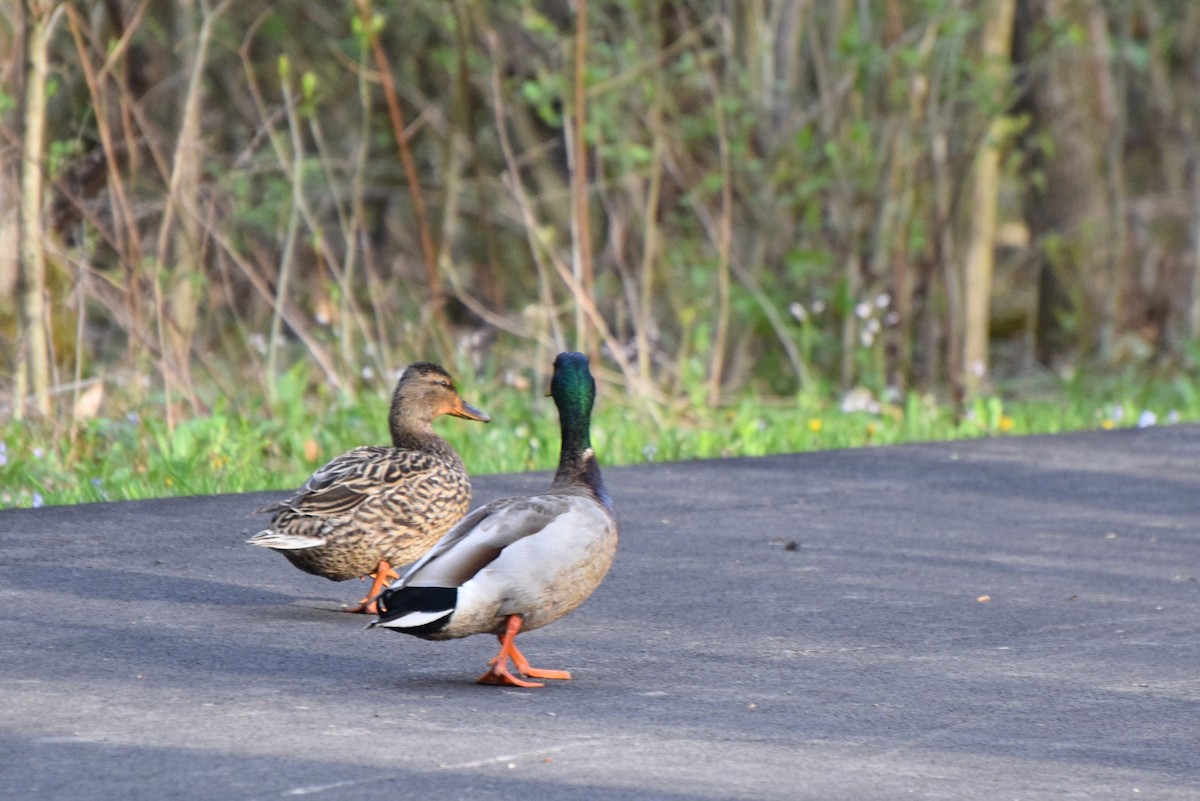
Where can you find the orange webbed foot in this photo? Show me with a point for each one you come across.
(499, 672)
(525, 669)
(382, 576)
(367, 606)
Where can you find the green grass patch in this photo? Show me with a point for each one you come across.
(261, 447)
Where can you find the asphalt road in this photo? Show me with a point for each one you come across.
(999, 619)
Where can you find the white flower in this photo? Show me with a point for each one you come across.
(862, 311)
(798, 311)
(883, 301)
(818, 306)
(38, 502)
(860, 399)
(1147, 419)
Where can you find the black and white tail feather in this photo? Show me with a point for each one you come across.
(416, 610)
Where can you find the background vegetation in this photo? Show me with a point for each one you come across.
(225, 226)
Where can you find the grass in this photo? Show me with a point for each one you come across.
(259, 447)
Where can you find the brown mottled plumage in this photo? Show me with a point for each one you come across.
(375, 507)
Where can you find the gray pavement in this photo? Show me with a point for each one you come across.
(815, 626)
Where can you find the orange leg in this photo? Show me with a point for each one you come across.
(499, 673)
(382, 576)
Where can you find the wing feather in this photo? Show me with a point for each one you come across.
(480, 537)
(347, 481)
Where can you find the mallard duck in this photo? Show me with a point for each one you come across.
(374, 508)
(518, 564)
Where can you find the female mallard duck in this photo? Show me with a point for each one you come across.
(518, 563)
(375, 507)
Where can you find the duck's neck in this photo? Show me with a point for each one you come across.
(577, 465)
(411, 431)
(583, 473)
(576, 453)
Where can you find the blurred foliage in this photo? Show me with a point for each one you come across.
(778, 203)
(256, 445)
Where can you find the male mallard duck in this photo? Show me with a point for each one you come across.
(375, 507)
(518, 563)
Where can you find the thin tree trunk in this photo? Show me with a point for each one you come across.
(1194, 242)
(644, 320)
(287, 258)
(33, 366)
(724, 242)
(1069, 212)
(905, 275)
(1190, 124)
(184, 271)
(433, 281)
(581, 262)
(979, 264)
(12, 75)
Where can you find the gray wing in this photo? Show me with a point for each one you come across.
(478, 539)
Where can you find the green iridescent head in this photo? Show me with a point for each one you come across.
(574, 391)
